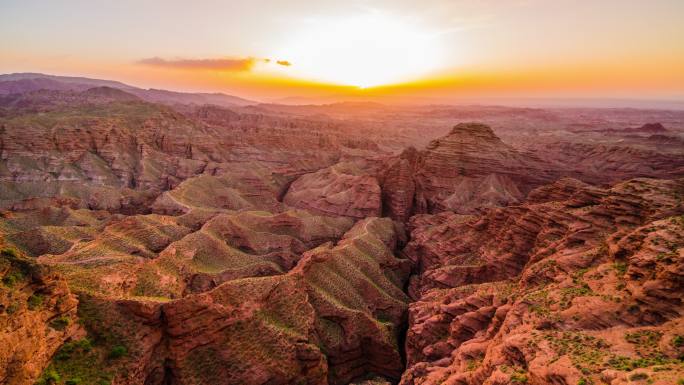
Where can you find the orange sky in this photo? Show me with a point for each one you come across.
(438, 50)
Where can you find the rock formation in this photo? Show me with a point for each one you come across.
(37, 315)
(334, 317)
(580, 285)
(471, 168)
(109, 150)
(340, 190)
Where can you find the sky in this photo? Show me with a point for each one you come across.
(429, 50)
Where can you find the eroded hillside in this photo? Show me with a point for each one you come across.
(160, 244)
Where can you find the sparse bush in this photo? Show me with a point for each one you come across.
(85, 344)
(68, 349)
(638, 376)
(12, 308)
(9, 252)
(568, 294)
(50, 377)
(627, 364)
(678, 341)
(643, 338)
(12, 278)
(474, 364)
(620, 267)
(519, 378)
(35, 301)
(118, 351)
(60, 323)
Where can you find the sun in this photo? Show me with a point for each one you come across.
(364, 51)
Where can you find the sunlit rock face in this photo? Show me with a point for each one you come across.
(464, 171)
(108, 149)
(578, 285)
(336, 316)
(37, 315)
(471, 168)
(340, 190)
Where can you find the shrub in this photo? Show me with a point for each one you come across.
(627, 364)
(60, 323)
(568, 294)
(620, 267)
(12, 308)
(50, 377)
(474, 364)
(678, 341)
(644, 338)
(519, 378)
(118, 351)
(638, 376)
(85, 344)
(67, 350)
(35, 301)
(9, 252)
(12, 278)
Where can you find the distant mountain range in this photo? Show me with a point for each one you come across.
(25, 82)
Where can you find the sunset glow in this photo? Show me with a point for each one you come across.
(363, 51)
(324, 51)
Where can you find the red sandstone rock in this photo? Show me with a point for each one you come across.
(333, 318)
(340, 190)
(37, 315)
(471, 168)
(580, 285)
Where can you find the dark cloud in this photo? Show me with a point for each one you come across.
(284, 63)
(235, 65)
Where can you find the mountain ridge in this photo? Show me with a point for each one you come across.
(21, 82)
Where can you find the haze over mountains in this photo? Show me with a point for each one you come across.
(21, 82)
(156, 237)
(25, 82)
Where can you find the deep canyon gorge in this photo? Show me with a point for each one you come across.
(161, 238)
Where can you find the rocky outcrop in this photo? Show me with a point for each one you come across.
(465, 171)
(251, 187)
(234, 246)
(323, 322)
(577, 286)
(606, 163)
(471, 168)
(399, 185)
(169, 257)
(653, 128)
(37, 315)
(334, 318)
(340, 190)
(106, 143)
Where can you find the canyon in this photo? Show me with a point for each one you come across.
(151, 237)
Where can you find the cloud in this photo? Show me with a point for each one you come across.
(233, 65)
(210, 64)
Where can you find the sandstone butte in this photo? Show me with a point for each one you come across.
(156, 244)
